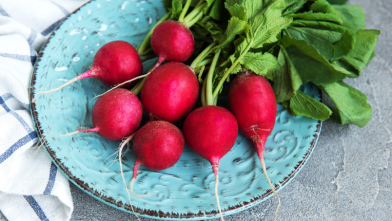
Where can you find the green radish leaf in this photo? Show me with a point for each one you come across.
(206, 10)
(167, 4)
(261, 64)
(194, 3)
(310, 64)
(305, 105)
(343, 46)
(286, 78)
(235, 27)
(354, 16)
(217, 10)
(293, 6)
(317, 17)
(176, 10)
(338, 2)
(252, 7)
(361, 54)
(236, 69)
(350, 105)
(211, 28)
(322, 40)
(237, 10)
(266, 25)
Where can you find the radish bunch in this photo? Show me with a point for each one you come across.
(170, 90)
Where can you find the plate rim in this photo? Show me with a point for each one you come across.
(139, 211)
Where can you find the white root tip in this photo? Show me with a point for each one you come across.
(122, 173)
(273, 189)
(125, 82)
(216, 194)
(55, 89)
(42, 141)
(138, 196)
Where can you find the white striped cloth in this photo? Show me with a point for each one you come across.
(30, 189)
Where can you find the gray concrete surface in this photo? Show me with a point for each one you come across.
(348, 177)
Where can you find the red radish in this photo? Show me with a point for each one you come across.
(114, 63)
(115, 116)
(170, 92)
(158, 145)
(172, 41)
(253, 103)
(211, 132)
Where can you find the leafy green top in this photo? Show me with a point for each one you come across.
(290, 42)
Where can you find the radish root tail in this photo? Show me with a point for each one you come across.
(215, 168)
(269, 181)
(133, 79)
(43, 140)
(138, 196)
(122, 173)
(55, 89)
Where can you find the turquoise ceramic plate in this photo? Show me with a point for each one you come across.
(184, 191)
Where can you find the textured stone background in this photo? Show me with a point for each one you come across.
(348, 176)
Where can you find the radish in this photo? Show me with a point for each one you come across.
(158, 145)
(211, 132)
(115, 116)
(170, 92)
(114, 63)
(172, 41)
(253, 103)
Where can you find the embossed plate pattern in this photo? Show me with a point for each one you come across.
(184, 191)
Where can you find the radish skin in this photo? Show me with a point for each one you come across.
(114, 63)
(211, 132)
(253, 103)
(170, 92)
(172, 41)
(158, 145)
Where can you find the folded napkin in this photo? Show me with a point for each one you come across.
(30, 188)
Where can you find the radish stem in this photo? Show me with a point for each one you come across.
(202, 55)
(184, 10)
(141, 50)
(195, 20)
(199, 8)
(209, 96)
(227, 73)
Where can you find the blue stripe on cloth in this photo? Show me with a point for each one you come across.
(21, 142)
(51, 28)
(52, 178)
(33, 55)
(21, 121)
(37, 209)
(2, 103)
(32, 37)
(65, 11)
(3, 12)
(7, 96)
(19, 57)
(13, 113)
